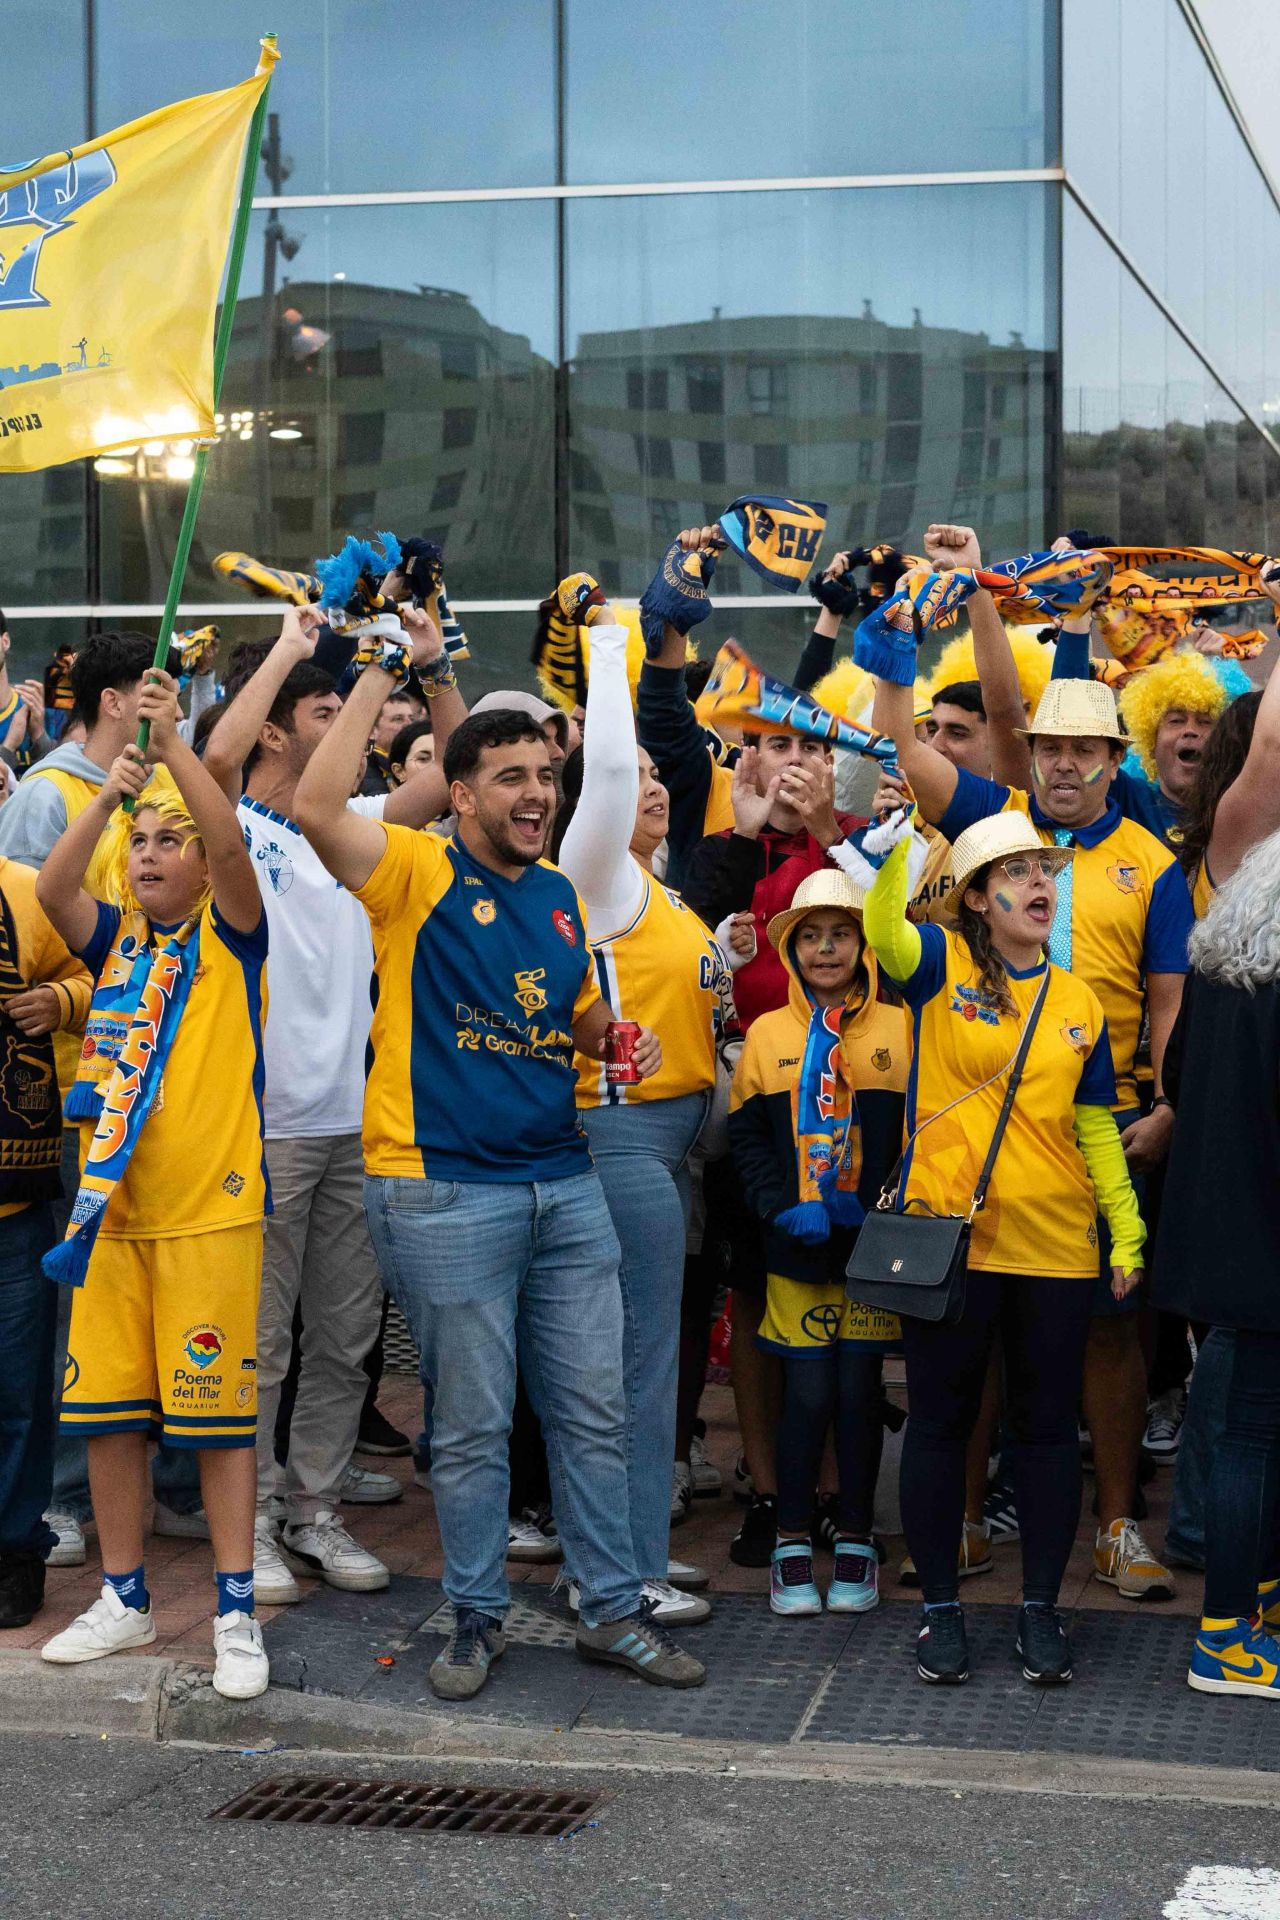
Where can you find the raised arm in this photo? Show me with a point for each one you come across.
(236, 734)
(425, 795)
(949, 546)
(931, 775)
(60, 882)
(596, 849)
(1249, 810)
(235, 887)
(350, 844)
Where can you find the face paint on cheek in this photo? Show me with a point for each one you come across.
(1036, 774)
(1092, 778)
(1003, 901)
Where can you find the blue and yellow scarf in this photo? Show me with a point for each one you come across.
(137, 1005)
(825, 1117)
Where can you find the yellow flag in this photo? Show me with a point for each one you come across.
(111, 256)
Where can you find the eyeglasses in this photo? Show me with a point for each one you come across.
(1019, 867)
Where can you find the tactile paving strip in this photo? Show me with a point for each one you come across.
(526, 1626)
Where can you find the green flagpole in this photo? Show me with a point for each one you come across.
(221, 348)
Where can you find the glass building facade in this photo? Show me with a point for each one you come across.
(551, 279)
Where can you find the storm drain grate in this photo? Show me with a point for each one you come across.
(319, 1800)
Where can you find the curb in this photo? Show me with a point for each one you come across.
(171, 1701)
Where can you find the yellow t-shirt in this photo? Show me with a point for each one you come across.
(478, 982)
(1040, 1212)
(198, 1163)
(1130, 909)
(666, 972)
(1202, 891)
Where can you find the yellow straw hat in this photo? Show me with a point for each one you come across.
(829, 887)
(994, 838)
(1078, 709)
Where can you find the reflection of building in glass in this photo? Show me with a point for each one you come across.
(892, 426)
(406, 410)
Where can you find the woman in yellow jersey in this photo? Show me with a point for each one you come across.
(656, 964)
(1033, 1256)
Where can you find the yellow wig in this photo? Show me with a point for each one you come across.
(1175, 680)
(558, 694)
(112, 872)
(1033, 662)
(846, 690)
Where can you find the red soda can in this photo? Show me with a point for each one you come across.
(620, 1038)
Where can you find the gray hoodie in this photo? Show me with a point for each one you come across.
(33, 817)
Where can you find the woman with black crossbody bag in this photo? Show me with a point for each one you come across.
(1011, 1153)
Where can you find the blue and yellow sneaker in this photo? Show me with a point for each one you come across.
(791, 1587)
(856, 1585)
(1235, 1656)
(1269, 1604)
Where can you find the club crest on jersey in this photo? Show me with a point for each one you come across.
(485, 912)
(882, 1059)
(1076, 1036)
(564, 926)
(529, 993)
(1127, 878)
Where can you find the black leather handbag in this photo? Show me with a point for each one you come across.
(916, 1264)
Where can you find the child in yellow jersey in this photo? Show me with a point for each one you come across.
(165, 1241)
(1033, 1253)
(815, 1125)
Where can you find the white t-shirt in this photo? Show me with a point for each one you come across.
(319, 967)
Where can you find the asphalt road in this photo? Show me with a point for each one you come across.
(90, 1827)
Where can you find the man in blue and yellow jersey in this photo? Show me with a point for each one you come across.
(488, 1218)
(1122, 923)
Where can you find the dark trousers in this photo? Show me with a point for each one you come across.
(28, 1318)
(1044, 1324)
(1242, 1537)
(841, 1383)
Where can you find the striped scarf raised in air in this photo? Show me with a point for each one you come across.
(741, 698)
(137, 1005)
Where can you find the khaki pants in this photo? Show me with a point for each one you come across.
(318, 1252)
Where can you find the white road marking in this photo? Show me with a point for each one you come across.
(1226, 1893)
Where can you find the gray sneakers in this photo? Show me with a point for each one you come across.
(639, 1643)
(471, 1649)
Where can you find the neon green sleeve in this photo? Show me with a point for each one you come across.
(895, 942)
(1099, 1139)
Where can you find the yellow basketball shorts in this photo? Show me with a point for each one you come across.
(163, 1340)
(802, 1318)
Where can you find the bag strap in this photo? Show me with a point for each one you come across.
(1015, 1076)
(1014, 1070)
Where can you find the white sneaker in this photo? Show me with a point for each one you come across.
(326, 1548)
(691, 1579)
(69, 1551)
(533, 1536)
(241, 1668)
(108, 1627)
(681, 1492)
(671, 1608)
(171, 1525)
(360, 1488)
(273, 1581)
(706, 1477)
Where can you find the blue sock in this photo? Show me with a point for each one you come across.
(235, 1592)
(131, 1588)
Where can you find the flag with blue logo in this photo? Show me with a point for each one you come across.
(111, 256)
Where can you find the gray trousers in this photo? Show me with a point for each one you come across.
(317, 1252)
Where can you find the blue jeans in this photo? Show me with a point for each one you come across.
(1242, 1513)
(641, 1155)
(479, 1270)
(1197, 1445)
(175, 1471)
(28, 1308)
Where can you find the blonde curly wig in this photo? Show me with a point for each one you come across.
(160, 797)
(1176, 680)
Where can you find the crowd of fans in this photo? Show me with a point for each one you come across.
(574, 1026)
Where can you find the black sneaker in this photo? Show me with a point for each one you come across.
(942, 1648)
(21, 1588)
(752, 1545)
(379, 1437)
(1043, 1646)
(1000, 1512)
